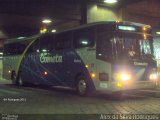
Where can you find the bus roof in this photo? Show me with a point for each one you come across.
(79, 27)
(20, 39)
(111, 22)
(106, 22)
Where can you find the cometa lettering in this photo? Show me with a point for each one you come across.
(140, 64)
(44, 58)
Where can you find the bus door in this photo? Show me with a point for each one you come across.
(104, 55)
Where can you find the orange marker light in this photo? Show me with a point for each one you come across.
(93, 75)
(144, 28)
(45, 73)
(86, 66)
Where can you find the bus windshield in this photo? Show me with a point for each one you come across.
(134, 46)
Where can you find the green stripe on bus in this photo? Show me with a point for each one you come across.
(21, 57)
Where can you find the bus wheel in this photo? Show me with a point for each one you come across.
(82, 86)
(14, 78)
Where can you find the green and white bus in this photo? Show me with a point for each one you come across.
(101, 56)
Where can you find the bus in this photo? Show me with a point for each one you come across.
(101, 56)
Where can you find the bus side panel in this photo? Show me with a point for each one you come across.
(59, 73)
(35, 70)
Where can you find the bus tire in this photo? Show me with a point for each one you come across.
(82, 86)
(14, 78)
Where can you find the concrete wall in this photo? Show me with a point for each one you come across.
(100, 13)
(145, 11)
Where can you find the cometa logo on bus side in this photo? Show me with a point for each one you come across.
(140, 63)
(45, 58)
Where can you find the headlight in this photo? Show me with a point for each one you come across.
(153, 76)
(125, 76)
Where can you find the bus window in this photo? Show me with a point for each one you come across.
(127, 45)
(104, 46)
(132, 45)
(10, 49)
(34, 47)
(14, 48)
(84, 38)
(104, 42)
(21, 47)
(46, 42)
(63, 40)
(145, 46)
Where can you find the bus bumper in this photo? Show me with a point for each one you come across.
(115, 87)
(138, 85)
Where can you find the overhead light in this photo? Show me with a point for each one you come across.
(1, 53)
(158, 33)
(46, 21)
(54, 30)
(110, 1)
